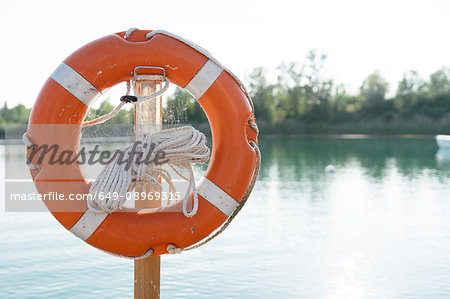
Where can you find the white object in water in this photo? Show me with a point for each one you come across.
(443, 157)
(443, 141)
(330, 169)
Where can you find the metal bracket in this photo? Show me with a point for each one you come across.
(149, 67)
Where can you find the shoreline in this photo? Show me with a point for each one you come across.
(269, 136)
(351, 136)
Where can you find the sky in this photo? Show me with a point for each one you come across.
(358, 36)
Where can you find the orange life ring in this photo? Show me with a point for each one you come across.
(84, 75)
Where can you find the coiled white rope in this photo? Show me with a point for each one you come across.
(182, 146)
(171, 248)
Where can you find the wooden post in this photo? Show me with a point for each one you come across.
(148, 116)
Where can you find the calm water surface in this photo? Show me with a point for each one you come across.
(377, 227)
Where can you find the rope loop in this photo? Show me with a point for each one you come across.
(129, 32)
(155, 94)
(127, 98)
(172, 249)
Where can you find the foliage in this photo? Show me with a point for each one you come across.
(304, 100)
(16, 115)
(181, 107)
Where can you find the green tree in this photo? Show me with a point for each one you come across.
(262, 95)
(344, 107)
(302, 92)
(439, 82)
(318, 88)
(411, 84)
(373, 92)
(410, 90)
(17, 115)
(181, 107)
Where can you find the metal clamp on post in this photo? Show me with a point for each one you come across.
(137, 77)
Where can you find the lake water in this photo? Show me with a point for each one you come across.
(377, 227)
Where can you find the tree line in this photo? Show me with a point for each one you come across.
(304, 100)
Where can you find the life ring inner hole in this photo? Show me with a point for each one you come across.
(178, 107)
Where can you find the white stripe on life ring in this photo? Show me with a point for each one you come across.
(88, 224)
(216, 196)
(76, 84)
(90, 221)
(203, 80)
